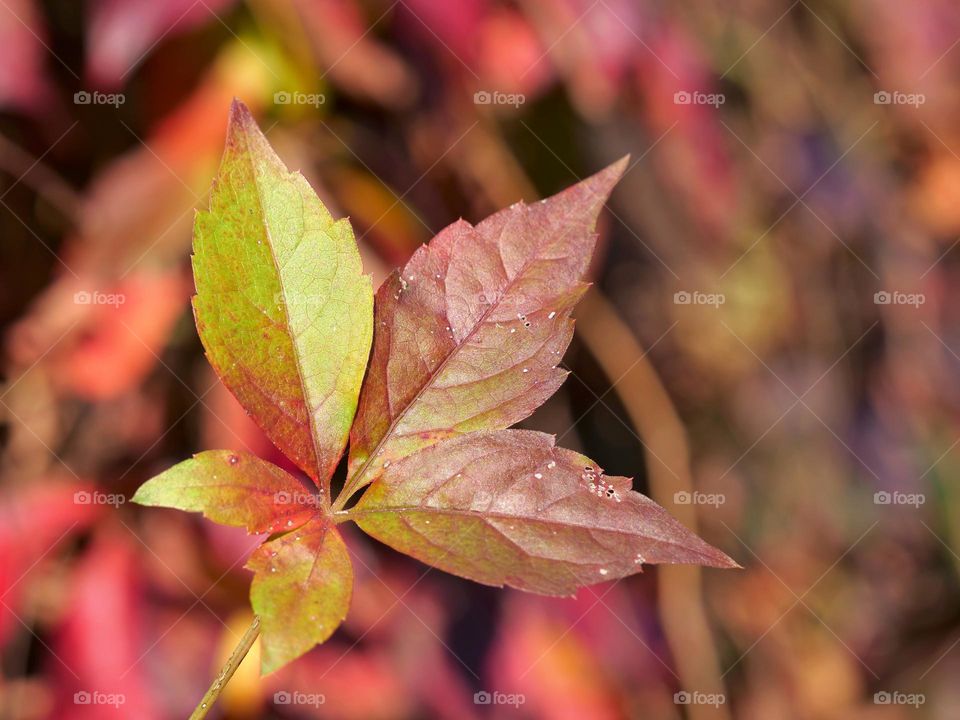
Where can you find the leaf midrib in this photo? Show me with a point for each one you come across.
(315, 475)
(355, 483)
(406, 512)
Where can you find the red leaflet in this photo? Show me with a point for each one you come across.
(469, 334)
(509, 508)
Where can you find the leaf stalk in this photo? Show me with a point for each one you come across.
(223, 677)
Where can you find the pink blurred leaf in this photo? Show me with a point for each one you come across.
(101, 648)
(23, 55)
(123, 32)
(34, 520)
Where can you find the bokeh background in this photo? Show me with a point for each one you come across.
(771, 348)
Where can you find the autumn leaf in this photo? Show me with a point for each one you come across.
(469, 334)
(468, 340)
(510, 508)
(282, 306)
(301, 589)
(233, 488)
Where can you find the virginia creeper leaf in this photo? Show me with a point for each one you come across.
(282, 306)
(469, 334)
(468, 338)
(301, 589)
(510, 508)
(232, 488)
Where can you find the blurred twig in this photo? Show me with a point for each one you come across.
(223, 677)
(26, 169)
(652, 413)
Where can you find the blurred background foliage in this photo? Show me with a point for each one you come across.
(794, 198)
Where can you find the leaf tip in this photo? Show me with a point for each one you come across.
(719, 559)
(611, 174)
(241, 126)
(268, 664)
(239, 112)
(143, 496)
(731, 564)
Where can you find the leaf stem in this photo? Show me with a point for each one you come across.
(223, 677)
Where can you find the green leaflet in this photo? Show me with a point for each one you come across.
(232, 488)
(301, 589)
(282, 306)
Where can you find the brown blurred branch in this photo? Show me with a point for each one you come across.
(652, 413)
(23, 167)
